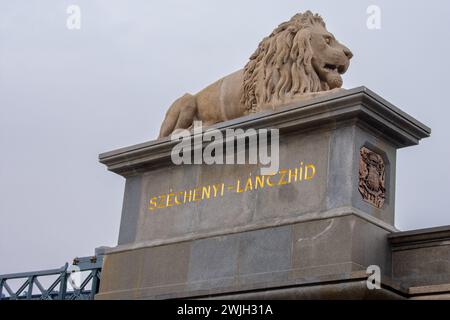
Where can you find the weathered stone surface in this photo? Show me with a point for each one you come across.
(233, 209)
(421, 257)
(332, 145)
(295, 235)
(353, 287)
(301, 252)
(265, 255)
(322, 259)
(153, 267)
(221, 254)
(130, 210)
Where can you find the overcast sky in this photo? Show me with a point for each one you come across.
(68, 95)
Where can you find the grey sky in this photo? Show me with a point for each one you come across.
(66, 96)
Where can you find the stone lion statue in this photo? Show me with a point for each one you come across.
(299, 60)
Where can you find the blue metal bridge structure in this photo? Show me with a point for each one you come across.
(77, 281)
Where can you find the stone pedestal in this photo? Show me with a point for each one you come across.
(306, 235)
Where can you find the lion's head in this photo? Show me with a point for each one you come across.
(300, 56)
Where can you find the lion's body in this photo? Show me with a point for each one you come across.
(225, 97)
(299, 60)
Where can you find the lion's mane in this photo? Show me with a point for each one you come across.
(281, 65)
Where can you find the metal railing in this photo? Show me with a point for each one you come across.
(31, 288)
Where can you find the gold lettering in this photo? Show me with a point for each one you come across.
(176, 198)
(153, 203)
(190, 196)
(303, 172)
(238, 186)
(282, 180)
(249, 184)
(168, 203)
(162, 202)
(300, 176)
(313, 169)
(195, 195)
(269, 183)
(206, 192)
(259, 182)
(216, 189)
(295, 176)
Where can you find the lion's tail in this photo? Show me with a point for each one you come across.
(180, 115)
